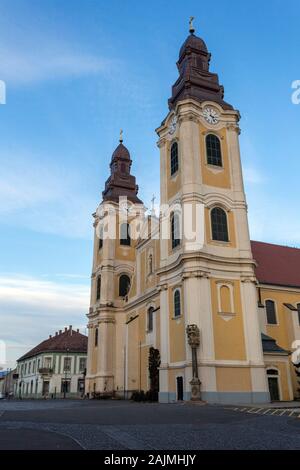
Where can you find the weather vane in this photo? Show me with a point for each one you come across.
(121, 135)
(192, 29)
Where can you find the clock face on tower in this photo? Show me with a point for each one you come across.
(211, 115)
(173, 124)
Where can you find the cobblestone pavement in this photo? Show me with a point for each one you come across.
(120, 425)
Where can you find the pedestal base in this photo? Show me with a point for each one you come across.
(195, 389)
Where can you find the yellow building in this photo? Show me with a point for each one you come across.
(149, 290)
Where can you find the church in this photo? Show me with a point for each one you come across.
(210, 318)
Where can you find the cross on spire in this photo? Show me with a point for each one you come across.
(191, 26)
(121, 136)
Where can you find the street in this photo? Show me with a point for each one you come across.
(122, 425)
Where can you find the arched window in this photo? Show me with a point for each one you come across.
(124, 285)
(177, 303)
(125, 234)
(98, 290)
(150, 264)
(271, 312)
(273, 382)
(174, 158)
(101, 238)
(213, 150)
(298, 308)
(175, 229)
(219, 228)
(150, 319)
(96, 336)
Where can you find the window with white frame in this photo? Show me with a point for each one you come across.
(47, 362)
(271, 312)
(67, 364)
(82, 364)
(177, 303)
(150, 319)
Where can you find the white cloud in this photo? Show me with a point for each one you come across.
(45, 198)
(253, 176)
(31, 309)
(26, 66)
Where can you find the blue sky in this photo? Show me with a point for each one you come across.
(78, 71)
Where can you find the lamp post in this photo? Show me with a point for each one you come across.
(65, 384)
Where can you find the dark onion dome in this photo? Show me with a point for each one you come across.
(195, 80)
(121, 152)
(193, 42)
(121, 182)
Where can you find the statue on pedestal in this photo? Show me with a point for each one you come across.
(193, 335)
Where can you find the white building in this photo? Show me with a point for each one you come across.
(54, 368)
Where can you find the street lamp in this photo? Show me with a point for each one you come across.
(66, 366)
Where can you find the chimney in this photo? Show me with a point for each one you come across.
(60, 332)
(66, 329)
(70, 327)
(50, 336)
(77, 330)
(56, 334)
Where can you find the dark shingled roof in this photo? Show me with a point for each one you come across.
(277, 265)
(270, 346)
(69, 339)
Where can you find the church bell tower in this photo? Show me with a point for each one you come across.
(201, 171)
(112, 272)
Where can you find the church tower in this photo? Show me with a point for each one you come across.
(112, 272)
(210, 283)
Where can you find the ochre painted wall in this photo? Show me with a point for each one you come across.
(233, 379)
(177, 330)
(215, 176)
(228, 335)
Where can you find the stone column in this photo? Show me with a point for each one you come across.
(164, 345)
(106, 345)
(260, 392)
(193, 335)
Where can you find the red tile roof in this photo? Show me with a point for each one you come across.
(69, 339)
(277, 265)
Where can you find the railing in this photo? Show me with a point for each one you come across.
(45, 370)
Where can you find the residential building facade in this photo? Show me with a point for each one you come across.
(55, 368)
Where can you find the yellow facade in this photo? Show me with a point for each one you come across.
(210, 284)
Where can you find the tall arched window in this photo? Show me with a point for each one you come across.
(298, 308)
(124, 285)
(174, 158)
(271, 312)
(175, 229)
(100, 238)
(177, 303)
(96, 336)
(219, 228)
(150, 264)
(125, 234)
(150, 319)
(98, 290)
(213, 150)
